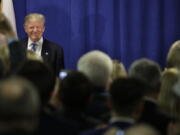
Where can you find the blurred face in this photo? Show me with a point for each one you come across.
(34, 29)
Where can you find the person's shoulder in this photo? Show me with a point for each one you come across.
(56, 45)
(23, 39)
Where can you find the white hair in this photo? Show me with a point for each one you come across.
(97, 66)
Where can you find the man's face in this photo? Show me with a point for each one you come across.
(34, 29)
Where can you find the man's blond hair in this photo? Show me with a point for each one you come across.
(34, 16)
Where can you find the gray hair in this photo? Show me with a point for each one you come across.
(147, 70)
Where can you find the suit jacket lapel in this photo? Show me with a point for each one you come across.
(45, 50)
(25, 42)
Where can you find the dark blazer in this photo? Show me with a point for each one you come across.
(153, 116)
(99, 107)
(52, 53)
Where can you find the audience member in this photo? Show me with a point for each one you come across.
(173, 56)
(74, 95)
(19, 107)
(149, 71)
(54, 101)
(168, 98)
(52, 53)
(41, 75)
(97, 66)
(8, 37)
(127, 104)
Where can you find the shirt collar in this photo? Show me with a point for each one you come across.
(40, 42)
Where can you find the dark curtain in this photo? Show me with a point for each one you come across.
(124, 29)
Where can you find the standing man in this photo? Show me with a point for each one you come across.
(34, 26)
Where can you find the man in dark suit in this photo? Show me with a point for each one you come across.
(127, 104)
(52, 53)
(149, 71)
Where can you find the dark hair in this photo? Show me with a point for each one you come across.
(41, 75)
(75, 90)
(148, 71)
(126, 93)
(17, 55)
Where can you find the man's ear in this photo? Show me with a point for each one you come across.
(24, 27)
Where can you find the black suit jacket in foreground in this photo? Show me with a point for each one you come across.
(52, 53)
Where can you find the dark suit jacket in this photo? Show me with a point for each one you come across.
(52, 53)
(50, 125)
(99, 108)
(153, 116)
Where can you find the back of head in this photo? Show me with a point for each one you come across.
(146, 70)
(173, 57)
(168, 99)
(97, 66)
(126, 94)
(41, 75)
(19, 106)
(75, 91)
